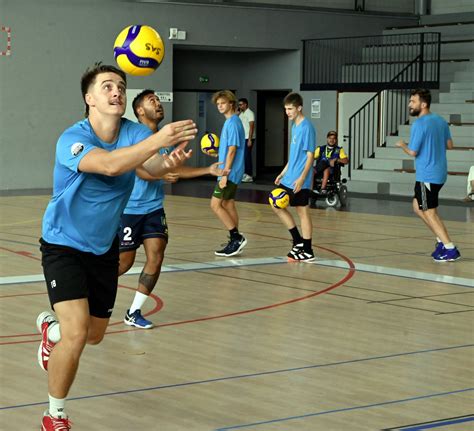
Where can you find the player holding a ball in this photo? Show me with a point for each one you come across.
(94, 175)
(231, 154)
(296, 178)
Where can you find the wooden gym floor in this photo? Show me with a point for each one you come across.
(373, 335)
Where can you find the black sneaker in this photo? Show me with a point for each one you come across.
(297, 247)
(301, 256)
(233, 248)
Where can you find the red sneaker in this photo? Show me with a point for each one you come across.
(43, 322)
(49, 423)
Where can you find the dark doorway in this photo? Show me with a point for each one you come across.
(272, 133)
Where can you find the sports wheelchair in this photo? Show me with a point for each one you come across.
(336, 189)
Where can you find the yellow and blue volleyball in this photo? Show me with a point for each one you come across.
(210, 144)
(139, 50)
(279, 198)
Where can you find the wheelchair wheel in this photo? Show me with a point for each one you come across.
(332, 200)
(343, 195)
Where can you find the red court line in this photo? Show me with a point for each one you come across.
(159, 303)
(158, 307)
(21, 253)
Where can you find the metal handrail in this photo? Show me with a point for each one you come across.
(370, 62)
(380, 116)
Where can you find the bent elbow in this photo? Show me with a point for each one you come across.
(111, 170)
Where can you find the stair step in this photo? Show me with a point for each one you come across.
(456, 132)
(456, 97)
(462, 85)
(452, 108)
(399, 177)
(460, 141)
(400, 189)
(447, 192)
(460, 155)
(450, 50)
(383, 164)
(455, 30)
(463, 76)
(412, 171)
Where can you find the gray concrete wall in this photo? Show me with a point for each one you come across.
(53, 41)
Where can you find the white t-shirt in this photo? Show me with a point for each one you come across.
(247, 116)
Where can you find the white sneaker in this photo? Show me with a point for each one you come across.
(247, 179)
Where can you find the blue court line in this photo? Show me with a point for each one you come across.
(243, 376)
(437, 424)
(346, 409)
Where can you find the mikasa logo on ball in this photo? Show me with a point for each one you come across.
(77, 148)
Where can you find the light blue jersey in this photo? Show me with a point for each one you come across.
(303, 139)
(428, 137)
(84, 212)
(147, 196)
(233, 135)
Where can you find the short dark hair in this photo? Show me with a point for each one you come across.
(424, 94)
(137, 101)
(294, 99)
(331, 133)
(89, 76)
(244, 100)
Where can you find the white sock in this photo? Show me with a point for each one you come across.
(437, 239)
(449, 246)
(54, 333)
(56, 407)
(138, 301)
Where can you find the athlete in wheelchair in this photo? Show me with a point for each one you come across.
(327, 182)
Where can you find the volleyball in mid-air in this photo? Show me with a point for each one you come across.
(210, 144)
(279, 198)
(139, 50)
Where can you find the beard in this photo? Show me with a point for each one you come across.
(414, 112)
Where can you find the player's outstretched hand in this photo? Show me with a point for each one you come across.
(177, 157)
(217, 171)
(177, 132)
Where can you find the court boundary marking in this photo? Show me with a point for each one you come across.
(346, 409)
(342, 264)
(195, 267)
(264, 373)
(433, 424)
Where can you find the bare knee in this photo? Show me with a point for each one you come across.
(154, 262)
(96, 332)
(74, 337)
(94, 339)
(215, 205)
(416, 208)
(126, 261)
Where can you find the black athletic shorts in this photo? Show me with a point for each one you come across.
(73, 274)
(300, 199)
(134, 228)
(427, 195)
